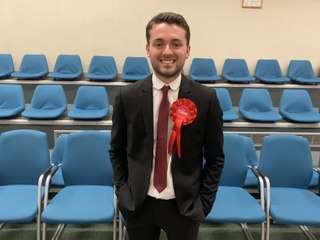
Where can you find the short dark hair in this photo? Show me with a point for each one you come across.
(169, 18)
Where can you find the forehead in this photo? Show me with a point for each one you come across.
(166, 31)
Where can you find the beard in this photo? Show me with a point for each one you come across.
(167, 73)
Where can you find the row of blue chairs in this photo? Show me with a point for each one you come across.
(256, 105)
(103, 68)
(87, 195)
(69, 67)
(50, 102)
(267, 71)
(286, 168)
(25, 174)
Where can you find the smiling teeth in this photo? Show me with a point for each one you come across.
(167, 61)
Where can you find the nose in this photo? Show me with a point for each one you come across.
(167, 49)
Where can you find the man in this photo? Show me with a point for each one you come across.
(179, 196)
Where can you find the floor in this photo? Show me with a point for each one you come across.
(104, 231)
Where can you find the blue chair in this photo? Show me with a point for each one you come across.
(91, 102)
(135, 68)
(256, 105)
(24, 163)
(102, 68)
(226, 104)
(48, 102)
(56, 159)
(88, 195)
(296, 105)
(286, 162)
(251, 180)
(203, 70)
(269, 71)
(233, 203)
(67, 67)
(6, 65)
(236, 70)
(12, 100)
(33, 66)
(301, 71)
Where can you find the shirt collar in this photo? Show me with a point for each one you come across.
(158, 84)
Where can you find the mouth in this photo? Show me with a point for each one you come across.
(167, 61)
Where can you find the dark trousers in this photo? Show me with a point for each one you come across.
(157, 215)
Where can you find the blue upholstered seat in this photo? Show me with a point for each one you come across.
(91, 102)
(301, 71)
(203, 70)
(286, 160)
(236, 70)
(226, 104)
(12, 100)
(67, 67)
(33, 66)
(251, 181)
(269, 71)
(135, 68)
(102, 68)
(48, 102)
(88, 195)
(234, 204)
(24, 157)
(6, 65)
(296, 105)
(256, 105)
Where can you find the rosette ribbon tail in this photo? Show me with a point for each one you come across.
(176, 136)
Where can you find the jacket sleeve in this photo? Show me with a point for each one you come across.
(118, 144)
(213, 154)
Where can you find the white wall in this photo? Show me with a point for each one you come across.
(282, 29)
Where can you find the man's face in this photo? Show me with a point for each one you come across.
(167, 50)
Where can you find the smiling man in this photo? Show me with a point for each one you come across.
(157, 157)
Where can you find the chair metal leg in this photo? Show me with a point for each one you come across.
(2, 225)
(306, 231)
(58, 232)
(246, 231)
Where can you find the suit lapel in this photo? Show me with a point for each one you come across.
(147, 105)
(185, 87)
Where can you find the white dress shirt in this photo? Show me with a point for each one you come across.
(168, 192)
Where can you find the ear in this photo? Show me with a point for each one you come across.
(188, 52)
(148, 49)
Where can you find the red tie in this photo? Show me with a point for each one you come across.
(160, 168)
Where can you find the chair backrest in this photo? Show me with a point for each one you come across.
(68, 64)
(34, 63)
(48, 97)
(203, 67)
(286, 160)
(295, 101)
(136, 66)
(6, 65)
(251, 152)
(235, 165)
(224, 99)
(103, 65)
(235, 68)
(91, 98)
(24, 155)
(268, 68)
(11, 96)
(86, 159)
(58, 149)
(300, 68)
(255, 100)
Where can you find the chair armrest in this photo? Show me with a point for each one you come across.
(47, 184)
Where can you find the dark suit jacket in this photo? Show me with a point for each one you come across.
(131, 149)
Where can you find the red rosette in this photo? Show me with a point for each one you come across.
(183, 112)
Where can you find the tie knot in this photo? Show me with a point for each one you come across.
(165, 90)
